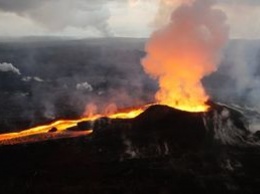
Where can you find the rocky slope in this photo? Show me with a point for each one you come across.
(163, 150)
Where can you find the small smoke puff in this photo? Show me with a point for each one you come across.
(8, 67)
(85, 86)
(38, 79)
(28, 79)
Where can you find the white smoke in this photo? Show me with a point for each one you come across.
(8, 67)
(244, 58)
(85, 86)
(29, 78)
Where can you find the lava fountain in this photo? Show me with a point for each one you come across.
(183, 52)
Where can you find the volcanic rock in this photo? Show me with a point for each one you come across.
(81, 126)
(53, 130)
(73, 128)
(86, 125)
(163, 150)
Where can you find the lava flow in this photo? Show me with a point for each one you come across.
(61, 126)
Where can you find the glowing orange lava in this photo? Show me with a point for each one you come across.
(62, 125)
(183, 92)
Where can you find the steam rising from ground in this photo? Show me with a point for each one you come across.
(237, 80)
(184, 51)
(8, 67)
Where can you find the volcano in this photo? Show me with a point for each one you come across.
(163, 150)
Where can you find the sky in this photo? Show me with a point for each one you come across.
(118, 18)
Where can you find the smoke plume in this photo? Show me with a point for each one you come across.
(8, 67)
(241, 66)
(180, 54)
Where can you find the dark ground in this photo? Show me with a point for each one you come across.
(169, 152)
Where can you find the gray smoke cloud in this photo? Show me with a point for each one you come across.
(244, 70)
(91, 15)
(58, 14)
(238, 79)
(242, 74)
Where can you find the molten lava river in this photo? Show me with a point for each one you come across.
(61, 127)
(43, 132)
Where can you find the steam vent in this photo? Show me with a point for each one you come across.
(163, 150)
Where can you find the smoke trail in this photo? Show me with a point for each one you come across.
(180, 54)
